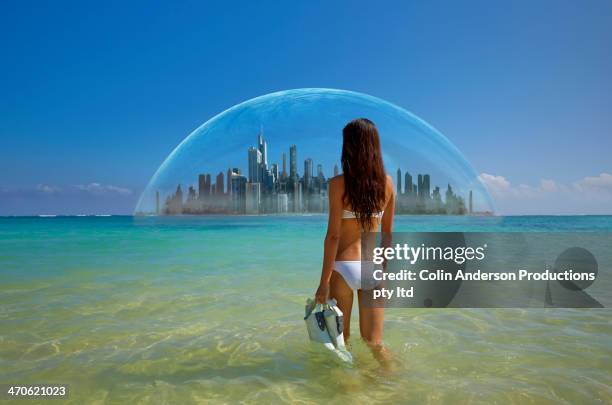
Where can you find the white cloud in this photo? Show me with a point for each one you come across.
(589, 195)
(45, 188)
(597, 184)
(72, 199)
(94, 188)
(549, 186)
(97, 188)
(494, 183)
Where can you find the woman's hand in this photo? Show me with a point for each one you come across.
(322, 293)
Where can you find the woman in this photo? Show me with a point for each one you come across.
(362, 199)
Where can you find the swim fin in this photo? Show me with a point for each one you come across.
(334, 320)
(325, 325)
(315, 324)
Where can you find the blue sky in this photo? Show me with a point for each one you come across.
(96, 95)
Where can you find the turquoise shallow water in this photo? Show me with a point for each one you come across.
(208, 310)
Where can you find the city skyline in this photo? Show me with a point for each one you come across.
(266, 188)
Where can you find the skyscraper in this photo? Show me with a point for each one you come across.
(219, 187)
(284, 174)
(421, 190)
(336, 171)
(207, 185)
(229, 181)
(254, 162)
(408, 184)
(307, 174)
(436, 194)
(175, 203)
(238, 193)
(426, 186)
(201, 186)
(191, 194)
(293, 162)
(399, 181)
(268, 181)
(178, 195)
(262, 146)
(297, 196)
(449, 191)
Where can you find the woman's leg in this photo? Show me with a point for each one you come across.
(343, 294)
(371, 322)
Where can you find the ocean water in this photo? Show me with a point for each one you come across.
(209, 310)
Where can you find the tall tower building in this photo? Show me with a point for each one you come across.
(229, 181)
(238, 193)
(274, 172)
(293, 162)
(320, 172)
(262, 173)
(254, 162)
(201, 186)
(399, 181)
(207, 185)
(176, 202)
(408, 184)
(262, 146)
(297, 196)
(421, 190)
(284, 174)
(220, 184)
(307, 173)
(336, 171)
(450, 198)
(426, 186)
(191, 194)
(436, 194)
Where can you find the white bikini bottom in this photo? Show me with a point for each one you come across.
(351, 272)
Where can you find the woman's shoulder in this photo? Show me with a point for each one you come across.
(336, 185)
(390, 187)
(337, 181)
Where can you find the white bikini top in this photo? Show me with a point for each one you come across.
(346, 214)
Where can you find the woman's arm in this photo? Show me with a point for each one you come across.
(387, 219)
(332, 238)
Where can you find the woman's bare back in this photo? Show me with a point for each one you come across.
(349, 245)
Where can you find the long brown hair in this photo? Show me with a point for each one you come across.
(364, 172)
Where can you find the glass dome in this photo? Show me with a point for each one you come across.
(275, 154)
